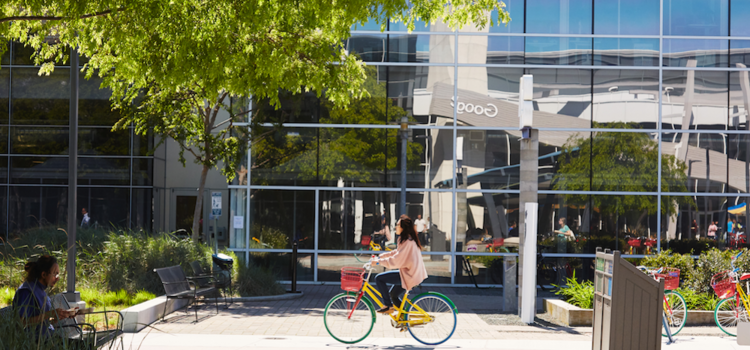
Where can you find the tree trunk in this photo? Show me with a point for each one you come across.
(199, 205)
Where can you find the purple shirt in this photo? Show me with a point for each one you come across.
(30, 307)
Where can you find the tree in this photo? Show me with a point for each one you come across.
(618, 161)
(173, 65)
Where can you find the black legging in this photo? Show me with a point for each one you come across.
(382, 280)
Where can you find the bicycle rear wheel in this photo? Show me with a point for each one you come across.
(728, 314)
(675, 310)
(443, 319)
(349, 321)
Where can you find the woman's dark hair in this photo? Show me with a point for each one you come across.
(407, 226)
(34, 269)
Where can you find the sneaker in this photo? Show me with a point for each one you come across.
(385, 310)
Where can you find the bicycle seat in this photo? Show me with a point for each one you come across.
(745, 276)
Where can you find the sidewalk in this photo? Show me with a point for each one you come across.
(299, 323)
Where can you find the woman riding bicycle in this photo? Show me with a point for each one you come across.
(407, 259)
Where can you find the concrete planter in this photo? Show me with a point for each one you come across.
(573, 316)
(569, 315)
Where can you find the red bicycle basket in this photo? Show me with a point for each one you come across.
(351, 278)
(723, 285)
(366, 240)
(634, 242)
(498, 242)
(671, 277)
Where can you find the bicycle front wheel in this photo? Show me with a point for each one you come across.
(441, 323)
(675, 310)
(363, 256)
(728, 314)
(347, 320)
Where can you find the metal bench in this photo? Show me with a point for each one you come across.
(178, 286)
(107, 337)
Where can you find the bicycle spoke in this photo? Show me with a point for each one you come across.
(438, 326)
(347, 320)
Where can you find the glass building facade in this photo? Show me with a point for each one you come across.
(641, 108)
(114, 168)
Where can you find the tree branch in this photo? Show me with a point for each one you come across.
(56, 18)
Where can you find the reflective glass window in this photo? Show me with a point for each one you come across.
(3, 172)
(634, 17)
(239, 219)
(636, 168)
(39, 170)
(107, 207)
(277, 217)
(329, 267)
(3, 139)
(564, 160)
(103, 141)
(738, 18)
(562, 97)
(29, 140)
(489, 219)
(606, 221)
(141, 213)
(626, 96)
(5, 58)
(22, 55)
(103, 171)
(4, 209)
(429, 160)
(558, 16)
(739, 53)
(515, 9)
(491, 159)
(143, 170)
(695, 53)
(36, 208)
(694, 99)
(696, 17)
(4, 94)
(626, 52)
(739, 99)
(94, 107)
(558, 51)
(421, 48)
(505, 50)
(369, 25)
(690, 219)
(280, 264)
(697, 162)
(143, 145)
(369, 47)
(40, 100)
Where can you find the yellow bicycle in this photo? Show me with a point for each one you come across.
(368, 245)
(350, 316)
(734, 307)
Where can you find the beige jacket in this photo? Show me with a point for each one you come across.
(408, 260)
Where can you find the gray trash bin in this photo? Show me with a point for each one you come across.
(437, 243)
(627, 305)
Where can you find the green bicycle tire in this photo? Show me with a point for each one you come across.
(731, 305)
(680, 300)
(364, 301)
(363, 256)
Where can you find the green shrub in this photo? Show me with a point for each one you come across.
(690, 246)
(712, 262)
(130, 260)
(256, 281)
(269, 237)
(698, 301)
(668, 259)
(141, 296)
(14, 336)
(580, 294)
(6, 295)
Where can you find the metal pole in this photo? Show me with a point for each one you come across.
(71, 294)
(404, 136)
(294, 267)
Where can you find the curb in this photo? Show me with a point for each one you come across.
(286, 296)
